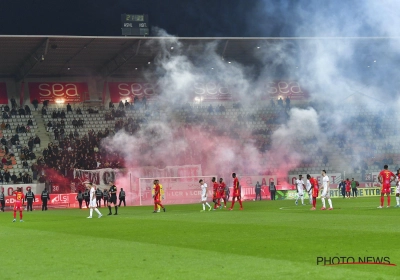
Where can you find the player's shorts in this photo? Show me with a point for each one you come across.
(236, 193)
(18, 206)
(93, 203)
(157, 201)
(112, 199)
(300, 193)
(325, 193)
(222, 194)
(385, 189)
(105, 198)
(204, 198)
(347, 189)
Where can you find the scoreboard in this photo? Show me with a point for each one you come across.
(135, 25)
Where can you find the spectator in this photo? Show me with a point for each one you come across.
(8, 126)
(30, 144)
(69, 108)
(35, 104)
(110, 105)
(3, 126)
(79, 111)
(121, 105)
(30, 122)
(287, 101)
(13, 103)
(6, 108)
(44, 111)
(49, 127)
(27, 110)
(280, 101)
(3, 141)
(14, 178)
(21, 111)
(62, 114)
(6, 116)
(7, 176)
(272, 103)
(4, 160)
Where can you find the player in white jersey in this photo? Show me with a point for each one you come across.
(300, 190)
(309, 188)
(398, 188)
(325, 191)
(93, 202)
(204, 196)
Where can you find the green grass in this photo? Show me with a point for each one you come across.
(261, 242)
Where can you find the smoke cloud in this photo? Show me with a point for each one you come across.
(350, 80)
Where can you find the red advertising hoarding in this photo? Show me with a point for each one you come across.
(283, 89)
(129, 90)
(58, 92)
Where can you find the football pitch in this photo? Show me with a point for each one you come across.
(268, 240)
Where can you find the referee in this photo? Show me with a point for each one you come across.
(113, 198)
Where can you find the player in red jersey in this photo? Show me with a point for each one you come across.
(216, 197)
(236, 192)
(385, 178)
(157, 197)
(314, 191)
(18, 204)
(221, 190)
(348, 187)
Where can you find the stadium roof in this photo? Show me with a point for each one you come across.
(47, 56)
(57, 56)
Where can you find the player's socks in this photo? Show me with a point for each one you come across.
(204, 207)
(209, 206)
(15, 214)
(91, 212)
(109, 208)
(388, 200)
(240, 202)
(20, 215)
(302, 200)
(330, 203)
(323, 202)
(116, 209)
(233, 203)
(382, 200)
(314, 203)
(97, 211)
(398, 200)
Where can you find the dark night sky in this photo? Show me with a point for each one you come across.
(186, 18)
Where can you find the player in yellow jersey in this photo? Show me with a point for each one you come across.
(155, 182)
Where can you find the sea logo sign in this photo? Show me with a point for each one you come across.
(349, 260)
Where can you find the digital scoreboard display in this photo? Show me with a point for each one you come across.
(135, 25)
